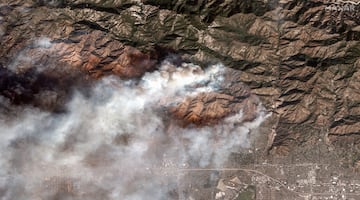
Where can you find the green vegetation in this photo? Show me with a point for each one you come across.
(248, 194)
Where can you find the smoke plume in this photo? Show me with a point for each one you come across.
(117, 142)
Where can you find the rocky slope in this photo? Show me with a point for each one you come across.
(301, 58)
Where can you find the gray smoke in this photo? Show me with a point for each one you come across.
(116, 143)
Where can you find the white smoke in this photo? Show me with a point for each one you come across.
(43, 42)
(25, 59)
(116, 143)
